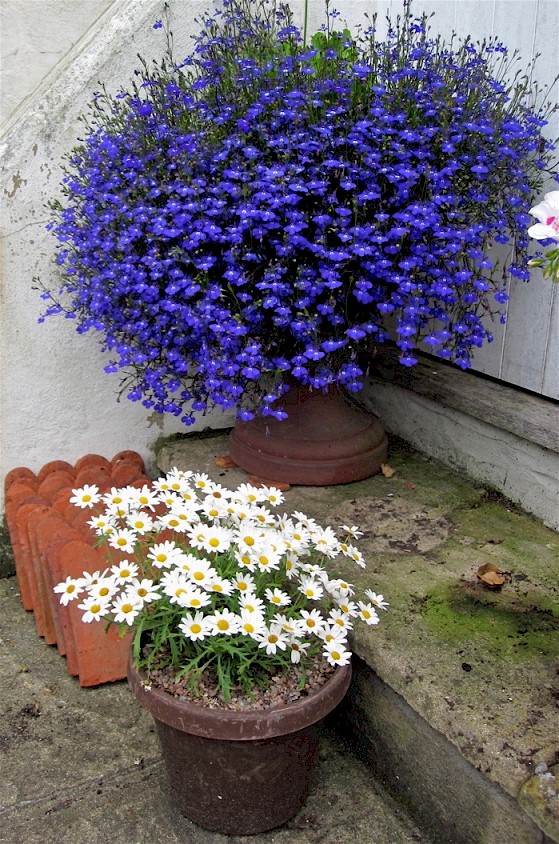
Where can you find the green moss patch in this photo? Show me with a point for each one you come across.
(515, 623)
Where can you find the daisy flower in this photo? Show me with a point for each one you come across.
(349, 608)
(336, 654)
(123, 539)
(249, 494)
(202, 481)
(248, 536)
(325, 541)
(102, 525)
(145, 590)
(251, 603)
(223, 622)
(277, 597)
(311, 588)
(180, 518)
(251, 623)
(125, 609)
(355, 554)
(143, 498)
(273, 495)
(68, 590)
(297, 650)
(376, 600)
(125, 571)
(175, 585)
(221, 585)
(104, 589)
(352, 531)
(86, 496)
(304, 521)
(340, 618)
(272, 639)
(165, 554)
(94, 608)
(202, 573)
(114, 497)
(244, 583)
(339, 587)
(266, 558)
(333, 632)
(213, 508)
(194, 626)
(194, 597)
(368, 613)
(140, 523)
(211, 538)
(312, 622)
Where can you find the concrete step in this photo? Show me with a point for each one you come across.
(454, 704)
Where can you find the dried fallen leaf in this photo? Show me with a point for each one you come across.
(223, 461)
(387, 470)
(491, 576)
(257, 481)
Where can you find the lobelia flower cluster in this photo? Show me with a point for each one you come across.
(211, 579)
(273, 209)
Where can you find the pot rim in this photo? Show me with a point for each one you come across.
(231, 725)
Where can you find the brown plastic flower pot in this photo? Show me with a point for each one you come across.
(324, 441)
(239, 773)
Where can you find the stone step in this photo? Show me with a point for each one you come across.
(455, 699)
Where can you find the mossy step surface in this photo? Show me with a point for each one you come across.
(479, 665)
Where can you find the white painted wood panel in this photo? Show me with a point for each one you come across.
(525, 351)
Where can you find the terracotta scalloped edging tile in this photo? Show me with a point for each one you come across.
(52, 540)
(20, 546)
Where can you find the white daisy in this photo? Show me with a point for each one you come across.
(223, 622)
(140, 523)
(68, 590)
(277, 597)
(145, 590)
(251, 623)
(125, 609)
(376, 600)
(125, 571)
(165, 554)
(272, 639)
(211, 538)
(244, 582)
(94, 608)
(368, 614)
(194, 626)
(312, 622)
(123, 540)
(336, 654)
(311, 588)
(297, 650)
(86, 496)
(143, 498)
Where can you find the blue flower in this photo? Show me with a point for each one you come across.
(264, 210)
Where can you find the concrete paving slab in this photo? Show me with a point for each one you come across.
(83, 765)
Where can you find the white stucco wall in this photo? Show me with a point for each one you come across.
(34, 36)
(56, 401)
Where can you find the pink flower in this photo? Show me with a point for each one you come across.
(547, 212)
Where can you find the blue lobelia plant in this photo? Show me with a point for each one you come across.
(274, 208)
